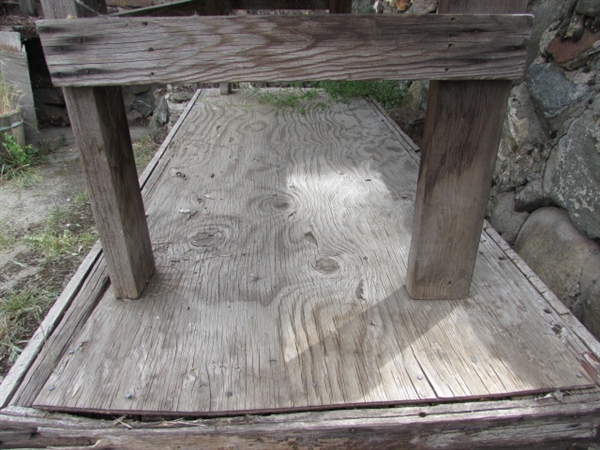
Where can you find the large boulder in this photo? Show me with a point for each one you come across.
(572, 176)
(566, 260)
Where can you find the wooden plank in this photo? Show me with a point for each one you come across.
(537, 424)
(274, 48)
(28, 7)
(15, 70)
(463, 127)
(95, 284)
(293, 278)
(102, 136)
(77, 293)
(99, 124)
(55, 9)
(19, 369)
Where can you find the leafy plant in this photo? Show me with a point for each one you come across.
(15, 159)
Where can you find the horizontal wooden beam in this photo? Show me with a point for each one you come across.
(109, 51)
(533, 424)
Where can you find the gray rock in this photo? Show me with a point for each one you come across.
(552, 92)
(504, 218)
(567, 261)
(181, 97)
(572, 176)
(590, 8)
(522, 152)
(531, 197)
(159, 121)
(144, 103)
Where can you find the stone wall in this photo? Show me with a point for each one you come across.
(546, 192)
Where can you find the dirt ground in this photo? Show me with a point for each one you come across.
(46, 229)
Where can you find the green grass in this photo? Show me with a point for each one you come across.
(298, 95)
(144, 151)
(294, 97)
(62, 235)
(388, 93)
(15, 160)
(8, 235)
(18, 309)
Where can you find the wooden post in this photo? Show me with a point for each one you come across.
(15, 70)
(100, 127)
(99, 124)
(28, 7)
(340, 6)
(463, 127)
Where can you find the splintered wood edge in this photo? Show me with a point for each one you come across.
(11, 382)
(506, 423)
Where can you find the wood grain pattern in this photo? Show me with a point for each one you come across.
(281, 243)
(525, 424)
(59, 9)
(35, 345)
(77, 300)
(15, 70)
(273, 48)
(100, 127)
(463, 127)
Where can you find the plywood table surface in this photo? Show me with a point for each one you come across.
(281, 240)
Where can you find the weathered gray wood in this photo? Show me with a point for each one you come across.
(58, 9)
(537, 424)
(225, 88)
(102, 136)
(300, 287)
(19, 369)
(100, 127)
(86, 299)
(462, 133)
(82, 293)
(28, 7)
(271, 48)
(15, 70)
